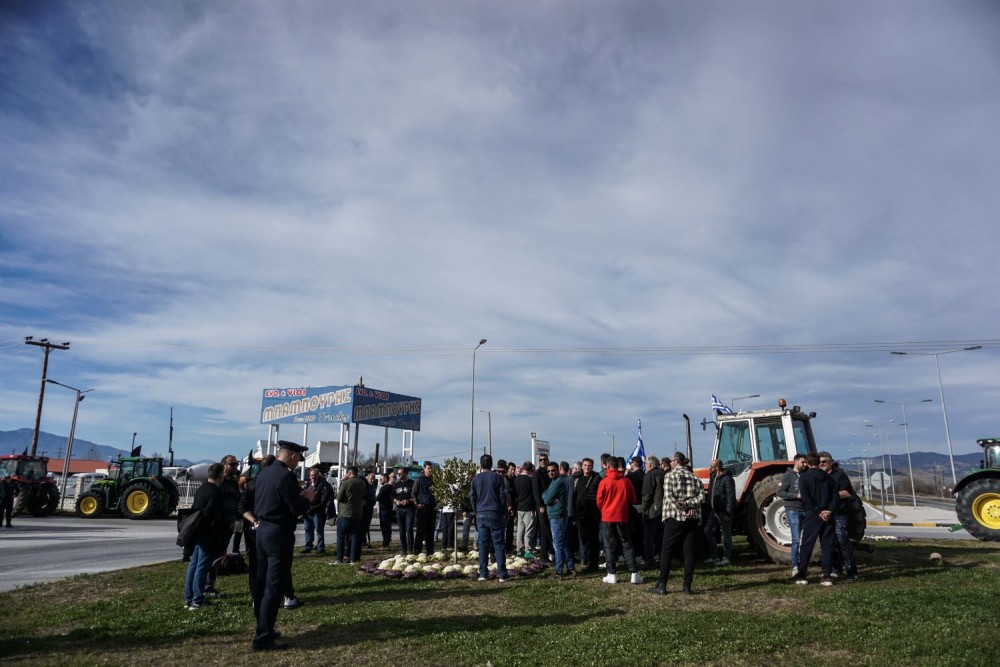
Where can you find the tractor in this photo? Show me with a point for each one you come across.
(135, 486)
(757, 447)
(36, 490)
(977, 495)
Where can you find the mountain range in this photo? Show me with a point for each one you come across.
(54, 446)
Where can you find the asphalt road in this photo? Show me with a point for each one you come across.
(37, 550)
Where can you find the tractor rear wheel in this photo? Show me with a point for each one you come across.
(766, 522)
(173, 495)
(46, 500)
(90, 505)
(978, 508)
(140, 501)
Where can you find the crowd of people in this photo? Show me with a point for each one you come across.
(639, 514)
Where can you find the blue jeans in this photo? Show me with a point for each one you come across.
(349, 528)
(197, 572)
(564, 555)
(795, 525)
(315, 524)
(404, 517)
(491, 526)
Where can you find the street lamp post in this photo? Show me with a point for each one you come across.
(72, 432)
(906, 434)
(472, 437)
(612, 441)
(489, 421)
(944, 408)
(732, 403)
(882, 446)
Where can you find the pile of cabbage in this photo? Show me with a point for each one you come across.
(447, 565)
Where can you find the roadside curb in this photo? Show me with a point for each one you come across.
(915, 524)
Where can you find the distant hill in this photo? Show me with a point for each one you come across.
(54, 446)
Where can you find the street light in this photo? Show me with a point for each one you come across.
(72, 431)
(906, 433)
(612, 441)
(472, 437)
(885, 446)
(489, 420)
(732, 403)
(944, 408)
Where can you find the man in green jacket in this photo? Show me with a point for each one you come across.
(350, 509)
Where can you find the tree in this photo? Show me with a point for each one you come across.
(451, 484)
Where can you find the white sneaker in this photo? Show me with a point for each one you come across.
(636, 578)
(610, 579)
(723, 562)
(795, 572)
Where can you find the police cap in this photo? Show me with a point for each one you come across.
(293, 446)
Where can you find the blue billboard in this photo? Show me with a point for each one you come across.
(342, 404)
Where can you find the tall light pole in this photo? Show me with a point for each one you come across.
(489, 421)
(906, 434)
(472, 437)
(732, 403)
(612, 441)
(944, 408)
(884, 445)
(47, 347)
(72, 432)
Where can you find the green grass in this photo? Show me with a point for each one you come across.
(905, 611)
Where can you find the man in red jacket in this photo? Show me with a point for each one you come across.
(615, 496)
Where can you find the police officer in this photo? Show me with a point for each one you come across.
(277, 504)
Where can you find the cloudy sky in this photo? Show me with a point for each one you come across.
(637, 204)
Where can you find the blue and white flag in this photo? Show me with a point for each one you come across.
(639, 450)
(720, 407)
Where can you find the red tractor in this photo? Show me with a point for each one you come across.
(758, 447)
(36, 491)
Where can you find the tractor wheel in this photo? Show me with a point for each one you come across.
(140, 501)
(173, 495)
(46, 500)
(766, 523)
(978, 508)
(21, 501)
(90, 505)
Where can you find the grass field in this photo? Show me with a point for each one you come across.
(905, 611)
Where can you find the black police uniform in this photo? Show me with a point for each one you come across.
(277, 504)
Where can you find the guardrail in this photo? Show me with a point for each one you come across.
(67, 503)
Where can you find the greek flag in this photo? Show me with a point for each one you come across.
(639, 450)
(720, 407)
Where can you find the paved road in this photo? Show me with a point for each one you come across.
(37, 550)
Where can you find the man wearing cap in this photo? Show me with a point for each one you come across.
(277, 504)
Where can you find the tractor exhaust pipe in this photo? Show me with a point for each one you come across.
(687, 428)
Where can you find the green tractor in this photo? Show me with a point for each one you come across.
(977, 495)
(135, 486)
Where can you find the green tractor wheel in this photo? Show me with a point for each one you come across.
(90, 505)
(978, 507)
(140, 501)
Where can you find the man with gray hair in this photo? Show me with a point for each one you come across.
(652, 508)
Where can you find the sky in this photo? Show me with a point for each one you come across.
(638, 205)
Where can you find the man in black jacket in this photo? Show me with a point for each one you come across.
(541, 485)
(721, 508)
(423, 497)
(209, 540)
(586, 514)
(315, 518)
(524, 505)
(384, 500)
(652, 509)
(818, 492)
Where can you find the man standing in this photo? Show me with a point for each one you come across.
(683, 494)
(402, 498)
(423, 496)
(817, 491)
(384, 500)
(315, 518)
(7, 502)
(525, 508)
(652, 509)
(229, 489)
(542, 482)
(277, 504)
(351, 505)
(556, 501)
(588, 516)
(721, 507)
(844, 493)
(210, 539)
(488, 497)
(788, 490)
(615, 497)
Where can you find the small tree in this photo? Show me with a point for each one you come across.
(451, 485)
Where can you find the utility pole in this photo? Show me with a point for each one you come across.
(48, 347)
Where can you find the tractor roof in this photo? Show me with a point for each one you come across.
(987, 442)
(769, 412)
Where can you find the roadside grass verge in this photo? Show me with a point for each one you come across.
(905, 611)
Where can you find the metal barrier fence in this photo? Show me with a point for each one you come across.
(75, 487)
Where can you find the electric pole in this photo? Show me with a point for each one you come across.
(48, 347)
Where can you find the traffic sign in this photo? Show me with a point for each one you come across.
(880, 480)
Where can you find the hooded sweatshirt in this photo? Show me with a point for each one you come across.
(614, 496)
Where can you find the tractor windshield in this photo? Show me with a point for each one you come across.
(803, 437)
(152, 468)
(8, 466)
(734, 446)
(33, 469)
(771, 445)
(992, 456)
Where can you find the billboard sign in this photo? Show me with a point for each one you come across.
(340, 405)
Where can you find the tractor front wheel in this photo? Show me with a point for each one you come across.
(766, 524)
(140, 501)
(978, 508)
(90, 505)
